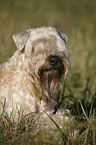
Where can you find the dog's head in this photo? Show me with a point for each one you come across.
(47, 56)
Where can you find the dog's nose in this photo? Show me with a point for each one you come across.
(54, 60)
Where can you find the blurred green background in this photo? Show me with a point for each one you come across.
(75, 18)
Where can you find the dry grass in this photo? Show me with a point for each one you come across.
(81, 130)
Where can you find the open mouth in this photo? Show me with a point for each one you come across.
(50, 77)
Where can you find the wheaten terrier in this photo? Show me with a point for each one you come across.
(31, 79)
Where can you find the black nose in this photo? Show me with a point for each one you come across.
(54, 60)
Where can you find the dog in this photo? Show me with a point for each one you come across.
(31, 80)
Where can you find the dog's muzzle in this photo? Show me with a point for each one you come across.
(50, 75)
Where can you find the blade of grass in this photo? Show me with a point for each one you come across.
(4, 105)
(64, 137)
(53, 121)
(83, 111)
(94, 128)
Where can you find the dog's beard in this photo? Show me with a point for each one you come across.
(50, 79)
(50, 84)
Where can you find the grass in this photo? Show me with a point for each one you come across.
(77, 19)
(81, 129)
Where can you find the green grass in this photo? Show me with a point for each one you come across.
(77, 19)
(81, 129)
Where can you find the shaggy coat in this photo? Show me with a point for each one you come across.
(30, 81)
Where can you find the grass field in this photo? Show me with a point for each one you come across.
(77, 19)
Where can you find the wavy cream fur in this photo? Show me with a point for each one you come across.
(19, 78)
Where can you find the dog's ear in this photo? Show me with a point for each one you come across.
(63, 36)
(21, 38)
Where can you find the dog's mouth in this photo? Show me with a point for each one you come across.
(51, 74)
